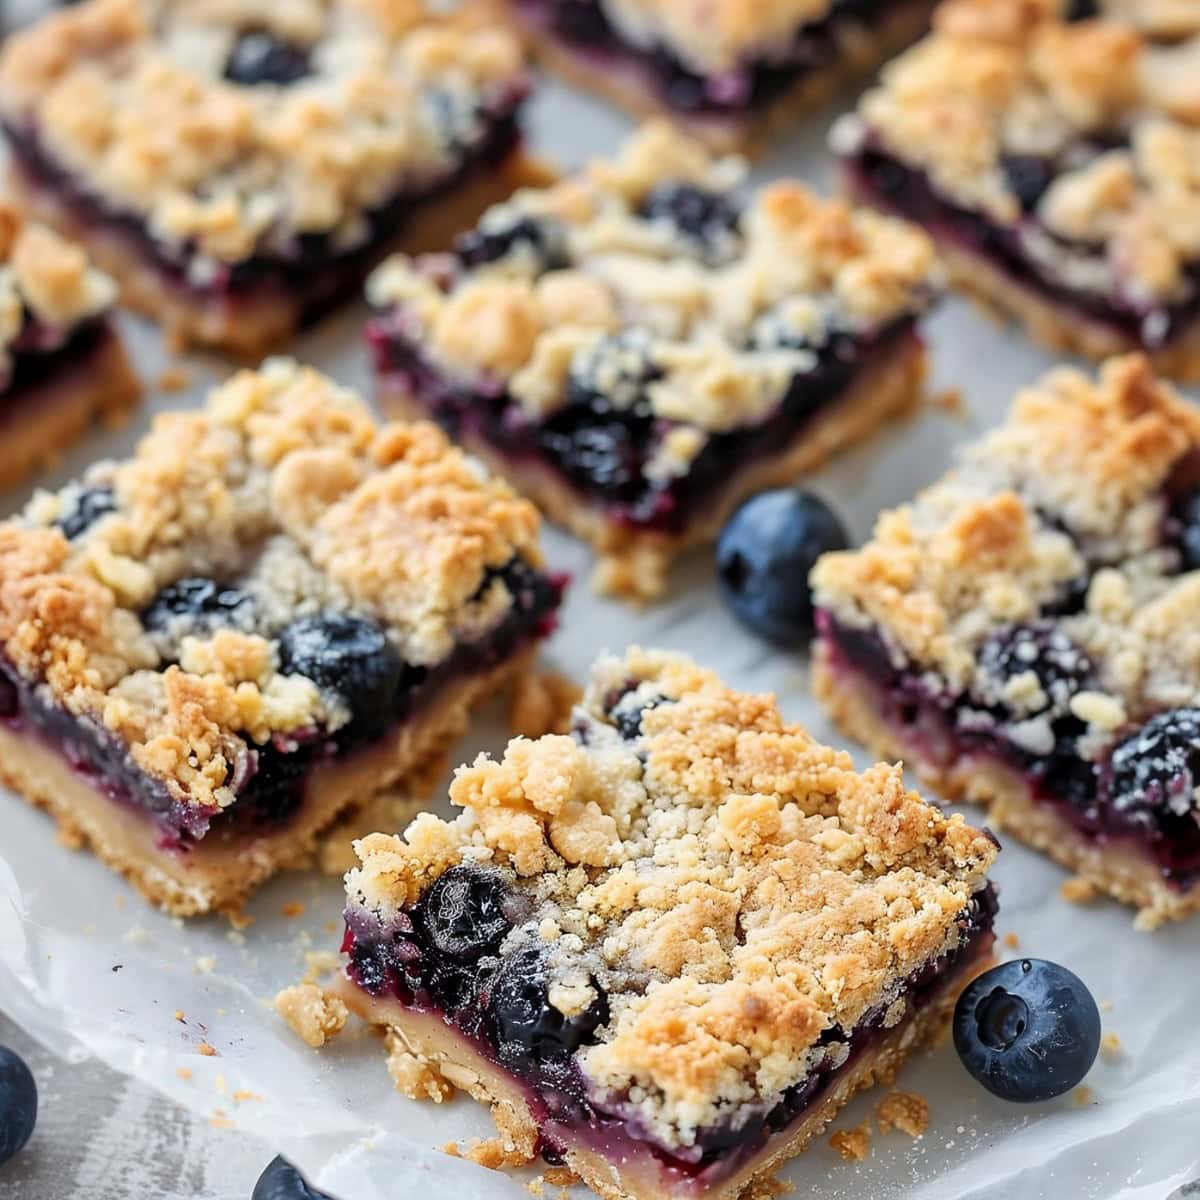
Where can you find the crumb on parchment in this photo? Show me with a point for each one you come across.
(206, 1050)
(852, 1144)
(1110, 1045)
(293, 908)
(174, 378)
(905, 1111)
(1012, 941)
(1078, 890)
(313, 1014)
(1082, 1096)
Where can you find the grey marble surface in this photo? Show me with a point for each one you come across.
(103, 1137)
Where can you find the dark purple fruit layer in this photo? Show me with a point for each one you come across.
(38, 355)
(443, 957)
(583, 25)
(1126, 798)
(602, 451)
(315, 272)
(876, 176)
(271, 778)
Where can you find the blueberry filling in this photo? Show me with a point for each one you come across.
(39, 355)
(201, 605)
(499, 1003)
(1143, 792)
(316, 270)
(584, 25)
(270, 780)
(704, 217)
(888, 183)
(543, 239)
(602, 449)
(259, 58)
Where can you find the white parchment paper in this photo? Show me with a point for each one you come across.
(88, 968)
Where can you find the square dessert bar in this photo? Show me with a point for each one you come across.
(239, 167)
(730, 72)
(668, 948)
(639, 347)
(62, 363)
(1052, 148)
(275, 608)
(1026, 634)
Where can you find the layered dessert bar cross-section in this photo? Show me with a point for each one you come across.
(239, 167)
(669, 947)
(1026, 634)
(62, 363)
(640, 346)
(1052, 149)
(276, 607)
(730, 72)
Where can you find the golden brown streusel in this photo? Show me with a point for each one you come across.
(735, 888)
(854, 1145)
(905, 1111)
(313, 1014)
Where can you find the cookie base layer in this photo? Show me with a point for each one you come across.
(441, 1052)
(256, 323)
(626, 83)
(1049, 323)
(632, 564)
(1113, 870)
(218, 874)
(36, 427)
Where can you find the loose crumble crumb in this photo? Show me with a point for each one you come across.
(179, 1016)
(541, 703)
(184, 1073)
(951, 400)
(206, 1050)
(1012, 941)
(293, 908)
(313, 1014)
(319, 962)
(905, 1111)
(852, 1144)
(239, 919)
(219, 1119)
(1110, 1045)
(560, 1176)
(205, 965)
(1078, 890)
(174, 378)
(1082, 1096)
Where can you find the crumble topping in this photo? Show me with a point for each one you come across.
(1108, 109)
(44, 279)
(314, 1015)
(293, 499)
(1072, 495)
(592, 286)
(139, 101)
(733, 887)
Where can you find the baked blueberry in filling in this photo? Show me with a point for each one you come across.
(90, 505)
(459, 952)
(259, 57)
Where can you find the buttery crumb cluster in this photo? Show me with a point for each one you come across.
(281, 498)
(238, 127)
(731, 887)
(645, 279)
(44, 280)
(1090, 126)
(1060, 535)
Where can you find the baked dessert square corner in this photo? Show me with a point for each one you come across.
(239, 168)
(1026, 633)
(641, 345)
(668, 948)
(208, 658)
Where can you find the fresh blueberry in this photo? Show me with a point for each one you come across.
(281, 1181)
(1027, 1030)
(347, 655)
(18, 1104)
(764, 556)
(529, 1028)
(699, 214)
(1158, 766)
(605, 454)
(1042, 649)
(1028, 178)
(1187, 520)
(542, 238)
(465, 913)
(202, 603)
(92, 504)
(260, 58)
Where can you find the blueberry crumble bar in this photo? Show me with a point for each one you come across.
(639, 346)
(62, 363)
(1052, 148)
(1026, 634)
(730, 72)
(239, 167)
(668, 948)
(276, 607)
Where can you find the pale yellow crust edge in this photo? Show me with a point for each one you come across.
(33, 439)
(632, 565)
(218, 879)
(1112, 871)
(251, 332)
(445, 1056)
(626, 89)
